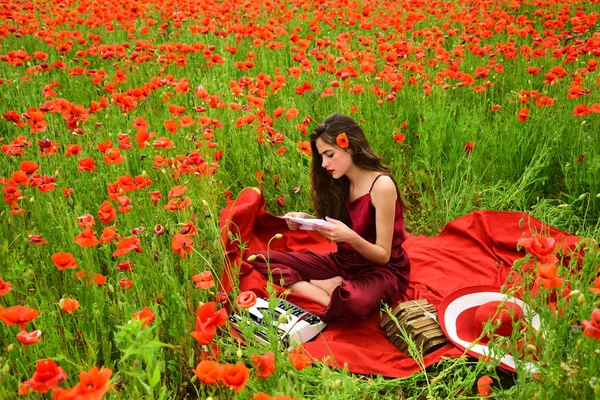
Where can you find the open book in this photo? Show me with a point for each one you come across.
(308, 224)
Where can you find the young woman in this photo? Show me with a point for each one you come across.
(352, 189)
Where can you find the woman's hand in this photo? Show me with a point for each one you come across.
(339, 232)
(294, 225)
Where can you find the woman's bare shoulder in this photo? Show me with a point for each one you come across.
(384, 188)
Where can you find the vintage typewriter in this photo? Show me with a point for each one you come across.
(294, 325)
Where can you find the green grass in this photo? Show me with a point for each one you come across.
(534, 166)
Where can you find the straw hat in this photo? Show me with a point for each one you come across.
(464, 313)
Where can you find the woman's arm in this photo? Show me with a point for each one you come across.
(383, 198)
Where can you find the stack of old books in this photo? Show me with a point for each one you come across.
(418, 319)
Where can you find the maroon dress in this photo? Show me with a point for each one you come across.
(365, 284)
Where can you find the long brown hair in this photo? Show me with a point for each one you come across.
(329, 196)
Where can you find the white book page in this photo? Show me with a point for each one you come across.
(308, 224)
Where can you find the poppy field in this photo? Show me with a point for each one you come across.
(126, 126)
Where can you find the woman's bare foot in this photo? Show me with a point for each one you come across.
(311, 291)
(328, 285)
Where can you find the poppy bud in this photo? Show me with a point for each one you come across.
(562, 206)
(531, 348)
(159, 229)
(10, 347)
(325, 373)
(204, 203)
(283, 319)
(483, 385)
(251, 258)
(581, 299)
(257, 190)
(278, 236)
(337, 383)
(583, 196)
(574, 293)
(239, 353)
(598, 195)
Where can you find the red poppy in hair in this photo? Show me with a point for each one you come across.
(464, 313)
(342, 140)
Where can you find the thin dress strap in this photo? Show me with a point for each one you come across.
(377, 177)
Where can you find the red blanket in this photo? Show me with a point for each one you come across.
(476, 249)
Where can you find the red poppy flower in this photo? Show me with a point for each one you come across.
(113, 157)
(484, 385)
(206, 322)
(125, 266)
(107, 212)
(28, 167)
(64, 261)
(542, 247)
(126, 245)
(204, 280)
(145, 315)
(163, 143)
(235, 376)
(342, 140)
(99, 279)
(469, 147)
(171, 125)
(124, 204)
(208, 371)
(138, 230)
(47, 376)
(155, 197)
(85, 220)
(299, 359)
(291, 113)
(37, 239)
(544, 101)
(87, 165)
(5, 287)
(399, 137)
(246, 299)
(19, 315)
(264, 364)
(28, 338)
(581, 110)
(109, 234)
(304, 147)
(182, 245)
(92, 385)
(523, 114)
(73, 150)
(280, 201)
(176, 191)
(68, 305)
(221, 298)
(186, 121)
(188, 229)
(86, 238)
(125, 283)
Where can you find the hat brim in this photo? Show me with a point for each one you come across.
(473, 296)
